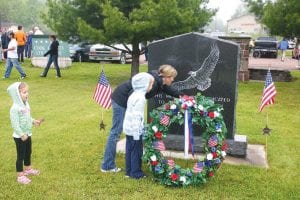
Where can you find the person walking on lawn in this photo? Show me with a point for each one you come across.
(53, 58)
(12, 57)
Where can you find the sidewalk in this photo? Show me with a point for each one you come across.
(274, 64)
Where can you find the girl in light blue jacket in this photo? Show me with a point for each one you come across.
(22, 122)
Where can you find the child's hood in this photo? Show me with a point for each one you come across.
(13, 91)
(140, 82)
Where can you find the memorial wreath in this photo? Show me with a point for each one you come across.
(188, 110)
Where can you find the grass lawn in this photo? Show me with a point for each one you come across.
(68, 146)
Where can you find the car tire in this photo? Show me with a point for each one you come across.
(123, 58)
(255, 54)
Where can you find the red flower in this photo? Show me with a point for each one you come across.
(174, 177)
(211, 174)
(184, 106)
(154, 163)
(167, 107)
(224, 146)
(158, 135)
(214, 154)
(211, 115)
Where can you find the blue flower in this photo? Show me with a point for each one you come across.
(217, 160)
(189, 174)
(157, 168)
(207, 163)
(164, 161)
(219, 127)
(213, 149)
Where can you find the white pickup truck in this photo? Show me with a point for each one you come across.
(101, 52)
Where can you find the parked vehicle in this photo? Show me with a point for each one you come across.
(101, 52)
(80, 52)
(265, 47)
(291, 44)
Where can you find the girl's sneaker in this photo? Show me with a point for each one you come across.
(23, 180)
(31, 172)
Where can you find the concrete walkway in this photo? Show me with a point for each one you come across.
(256, 155)
(273, 63)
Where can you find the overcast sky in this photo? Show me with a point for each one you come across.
(226, 8)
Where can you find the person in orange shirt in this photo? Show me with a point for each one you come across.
(21, 40)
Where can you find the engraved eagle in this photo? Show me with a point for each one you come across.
(200, 78)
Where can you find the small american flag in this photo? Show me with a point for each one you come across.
(213, 141)
(164, 119)
(102, 94)
(171, 163)
(198, 167)
(159, 145)
(269, 92)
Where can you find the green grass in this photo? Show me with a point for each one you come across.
(68, 146)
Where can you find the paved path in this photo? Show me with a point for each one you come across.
(274, 64)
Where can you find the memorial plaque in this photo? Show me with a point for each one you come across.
(204, 64)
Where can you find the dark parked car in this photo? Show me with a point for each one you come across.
(80, 52)
(265, 47)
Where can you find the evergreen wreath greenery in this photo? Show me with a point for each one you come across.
(206, 114)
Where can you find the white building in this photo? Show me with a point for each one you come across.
(245, 24)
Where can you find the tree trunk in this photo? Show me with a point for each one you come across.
(135, 59)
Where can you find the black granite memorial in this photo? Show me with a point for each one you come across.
(204, 64)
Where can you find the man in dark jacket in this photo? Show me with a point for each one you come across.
(53, 52)
(4, 43)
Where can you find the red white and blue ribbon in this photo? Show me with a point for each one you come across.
(188, 127)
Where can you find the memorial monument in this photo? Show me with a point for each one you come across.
(206, 65)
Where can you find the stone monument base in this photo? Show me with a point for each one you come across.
(256, 155)
(63, 62)
(237, 147)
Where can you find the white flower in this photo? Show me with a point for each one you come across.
(200, 107)
(153, 158)
(217, 114)
(189, 103)
(155, 129)
(182, 179)
(223, 154)
(209, 156)
(173, 107)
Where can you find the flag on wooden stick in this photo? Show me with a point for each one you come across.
(102, 94)
(269, 92)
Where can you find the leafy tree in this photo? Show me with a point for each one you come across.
(242, 10)
(22, 12)
(126, 21)
(282, 17)
(256, 7)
